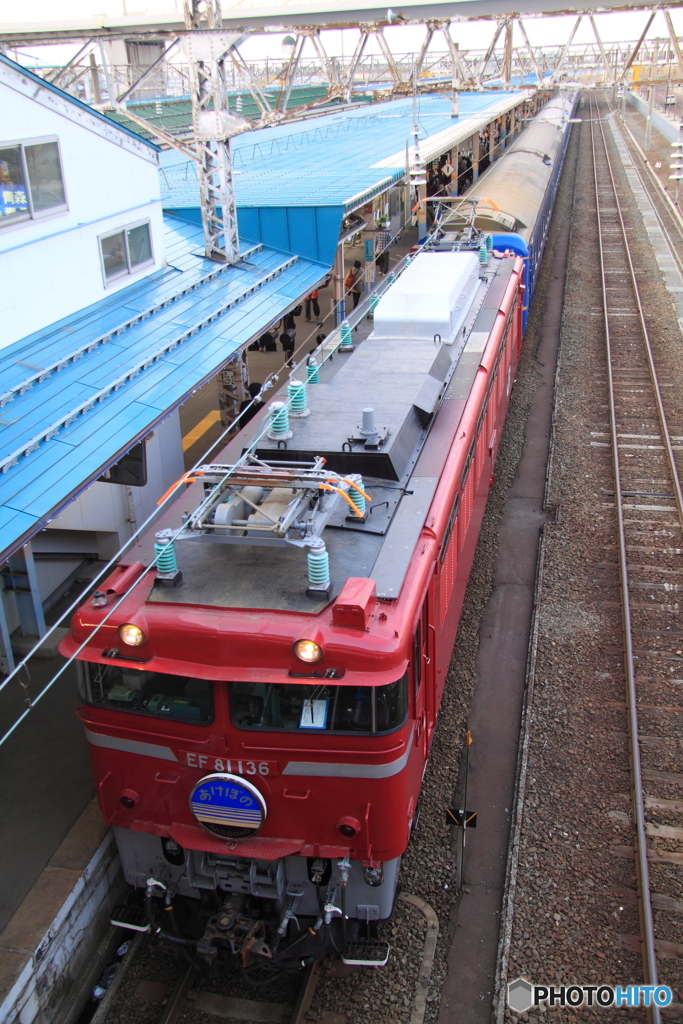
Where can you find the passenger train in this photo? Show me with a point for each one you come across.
(260, 686)
(514, 200)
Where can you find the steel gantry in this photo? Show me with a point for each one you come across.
(206, 52)
(206, 48)
(210, 70)
(202, 66)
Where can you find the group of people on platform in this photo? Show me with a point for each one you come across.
(287, 337)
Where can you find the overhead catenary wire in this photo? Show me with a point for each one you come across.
(329, 350)
(270, 381)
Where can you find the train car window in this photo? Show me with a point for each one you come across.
(180, 698)
(317, 707)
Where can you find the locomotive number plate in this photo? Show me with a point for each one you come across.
(207, 762)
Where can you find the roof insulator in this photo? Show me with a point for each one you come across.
(298, 404)
(369, 429)
(312, 371)
(318, 567)
(346, 337)
(168, 573)
(279, 422)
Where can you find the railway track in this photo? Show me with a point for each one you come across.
(648, 502)
(180, 1000)
(186, 996)
(156, 984)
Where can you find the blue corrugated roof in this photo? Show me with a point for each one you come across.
(72, 99)
(327, 161)
(38, 484)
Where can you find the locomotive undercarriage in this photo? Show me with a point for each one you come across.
(272, 915)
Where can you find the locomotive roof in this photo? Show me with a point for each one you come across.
(418, 387)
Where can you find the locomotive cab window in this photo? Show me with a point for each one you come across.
(180, 698)
(318, 707)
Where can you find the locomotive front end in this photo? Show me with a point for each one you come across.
(261, 764)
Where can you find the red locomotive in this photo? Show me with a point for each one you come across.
(260, 702)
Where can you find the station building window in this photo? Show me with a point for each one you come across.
(31, 180)
(126, 250)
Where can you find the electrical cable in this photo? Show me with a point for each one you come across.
(343, 914)
(259, 982)
(148, 522)
(353, 319)
(174, 924)
(158, 930)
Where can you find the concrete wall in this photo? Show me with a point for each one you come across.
(51, 267)
(663, 124)
(48, 944)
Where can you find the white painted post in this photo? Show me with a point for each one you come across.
(648, 120)
(422, 211)
(338, 283)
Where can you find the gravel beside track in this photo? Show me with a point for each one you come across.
(575, 914)
(384, 995)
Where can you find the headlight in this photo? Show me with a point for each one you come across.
(308, 650)
(131, 634)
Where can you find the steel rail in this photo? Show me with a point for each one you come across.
(644, 902)
(176, 1000)
(661, 414)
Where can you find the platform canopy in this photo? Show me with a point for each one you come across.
(78, 395)
(294, 183)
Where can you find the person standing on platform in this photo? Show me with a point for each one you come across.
(288, 322)
(354, 282)
(287, 341)
(382, 243)
(267, 342)
(247, 409)
(311, 301)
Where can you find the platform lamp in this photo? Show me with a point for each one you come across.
(677, 165)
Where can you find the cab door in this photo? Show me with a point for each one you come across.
(423, 682)
(429, 669)
(419, 690)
